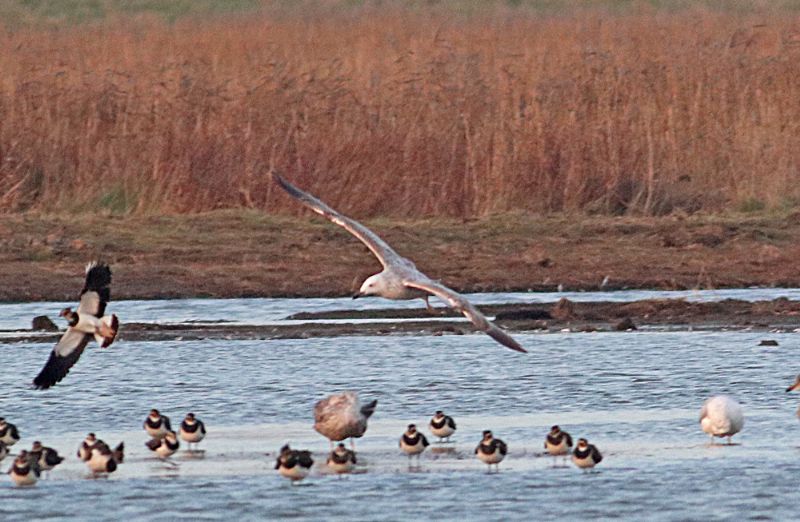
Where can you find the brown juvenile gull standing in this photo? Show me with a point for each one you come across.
(342, 416)
(84, 324)
(399, 278)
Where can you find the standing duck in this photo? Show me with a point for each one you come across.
(341, 459)
(165, 447)
(558, 442)
(46, 458)
(294, 464)
(9, 435)
(85, 449)
(85, 324)
(24, 471)
(491, 450)
(103, 459)
(442, 426)
(3, 451)
(157, 425)
(192, 430)
(341, 416)
(586, 455)
(412, 442)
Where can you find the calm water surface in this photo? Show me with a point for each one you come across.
(635, 394)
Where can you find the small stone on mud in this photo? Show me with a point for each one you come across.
(563, 309)
(43, 323)
(625, 324)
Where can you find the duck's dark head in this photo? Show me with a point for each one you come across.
(555, 430)
(69, 315)
(190, 416)
(154, 413)
(439, 414)
(487, 435)
(412, 428)
(582, 443)
(37, 446)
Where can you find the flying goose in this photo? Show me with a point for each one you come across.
(84, 324)
(341, 416)
(400, 278)
(721, 416)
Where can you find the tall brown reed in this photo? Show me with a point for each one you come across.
(391, 112)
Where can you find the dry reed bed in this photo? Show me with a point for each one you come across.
(637, 113)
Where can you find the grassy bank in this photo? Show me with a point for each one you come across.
(511, 107)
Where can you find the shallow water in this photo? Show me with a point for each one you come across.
(261, 311)
(636, 395)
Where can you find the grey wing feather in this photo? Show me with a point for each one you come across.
(458, 302)
(65, 354)
(385, 254)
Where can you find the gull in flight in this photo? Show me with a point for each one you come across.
(399, 278)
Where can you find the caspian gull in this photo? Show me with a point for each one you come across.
(400, 278)
(341, 416)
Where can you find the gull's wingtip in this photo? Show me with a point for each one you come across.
(506, 340)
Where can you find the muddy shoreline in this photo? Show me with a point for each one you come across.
(767, 316)
(229, 254)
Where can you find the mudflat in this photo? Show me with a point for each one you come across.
(252, 254)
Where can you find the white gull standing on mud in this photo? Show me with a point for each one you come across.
(721, 416)
(400, 278)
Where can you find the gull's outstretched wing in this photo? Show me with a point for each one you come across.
(460, 303)
(96, 293)
(385, 254)
(62, 358)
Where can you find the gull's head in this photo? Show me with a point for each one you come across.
(796, 384)
(373, 285)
